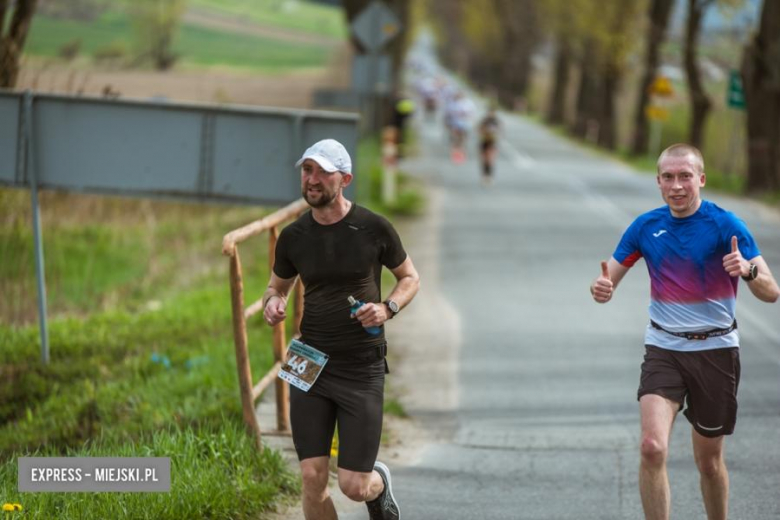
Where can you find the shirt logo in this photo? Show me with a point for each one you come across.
(659, 233)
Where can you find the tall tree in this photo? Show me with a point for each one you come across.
(761, 80)
(501, 37)
(586, 110)
(520, 37)
(156, 23)
(559, 18)
(446, 18)
(13, 36)
(658, 21)
(556, 106)
(700, 101)
(608, 35)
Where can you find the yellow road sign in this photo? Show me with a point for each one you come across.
(657, 113)
(661, 87)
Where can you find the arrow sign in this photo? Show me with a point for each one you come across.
(375, 26)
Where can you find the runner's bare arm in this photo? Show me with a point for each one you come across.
(275, 298)
(765, 286)
(407, 284)
(602, 288)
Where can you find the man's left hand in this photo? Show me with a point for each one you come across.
(372, 314)
(734, 263)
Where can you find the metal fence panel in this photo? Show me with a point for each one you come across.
(143, 148)
(115, 147)
(255, 156)
(9, 136)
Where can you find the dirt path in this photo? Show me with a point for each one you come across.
(293, 89)
(236, 24)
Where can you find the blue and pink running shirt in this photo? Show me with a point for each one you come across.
(690, 289)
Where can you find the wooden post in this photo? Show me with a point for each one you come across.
(280, 344)
(242, 355)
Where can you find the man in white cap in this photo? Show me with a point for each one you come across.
(338, 249)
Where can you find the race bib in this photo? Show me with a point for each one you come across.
(303, 365)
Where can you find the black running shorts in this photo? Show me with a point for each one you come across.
(347, 393)
(706, 381)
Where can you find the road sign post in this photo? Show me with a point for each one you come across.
(661, 91)
(735, 95)
(735, 99)
(373, 28)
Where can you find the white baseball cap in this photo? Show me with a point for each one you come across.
(329, 154)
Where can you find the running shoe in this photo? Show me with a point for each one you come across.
(384, 507)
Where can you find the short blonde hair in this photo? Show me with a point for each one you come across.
(681, 150)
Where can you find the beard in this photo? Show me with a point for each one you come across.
(320, 201)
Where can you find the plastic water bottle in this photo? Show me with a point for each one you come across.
(354, 306)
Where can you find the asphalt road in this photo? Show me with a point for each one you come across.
(545, 421)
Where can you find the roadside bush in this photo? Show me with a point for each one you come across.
(69, 50)
(113, 52)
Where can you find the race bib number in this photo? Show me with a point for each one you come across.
(303, 365)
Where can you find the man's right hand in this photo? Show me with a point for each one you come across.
(275, 310)
(602, 287)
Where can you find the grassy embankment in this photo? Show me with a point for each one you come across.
(111, 38)
(305, 17)
(142, 359)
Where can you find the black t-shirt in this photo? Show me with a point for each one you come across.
(488, 129)
(337, 261)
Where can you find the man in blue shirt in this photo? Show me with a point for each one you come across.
(695, 253)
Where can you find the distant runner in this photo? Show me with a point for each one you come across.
(489, 128)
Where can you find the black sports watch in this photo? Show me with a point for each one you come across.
(753, 273)
(393, 306)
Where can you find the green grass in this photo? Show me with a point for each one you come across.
(410, 199)
(216, 472)
(196, 46)
(394, 407)
(207, 47)
(142, 356)
(299, 15)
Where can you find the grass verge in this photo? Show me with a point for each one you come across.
(216, 472)
(142, 362)
(197, 46)
(410, 200)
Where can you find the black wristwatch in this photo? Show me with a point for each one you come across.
(393, 306)
(753, 273)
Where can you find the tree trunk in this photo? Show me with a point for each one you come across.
(659, 20)
(607, 134)
(12, 40)
(521, 35)
(700, 102)
(761, 80)
(586, 117)
(556, 109)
